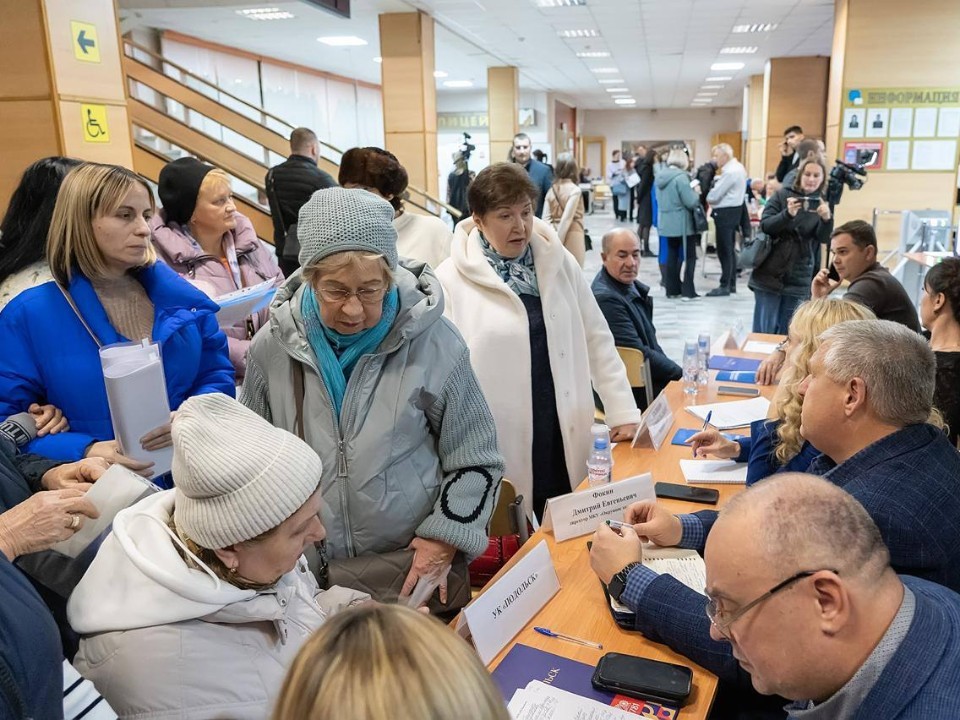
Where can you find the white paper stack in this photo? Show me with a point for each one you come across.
(685, 565)
(539, 701)
(237, 306)
(713, 471)
(117, 488)
(137, 394)
(728, 415)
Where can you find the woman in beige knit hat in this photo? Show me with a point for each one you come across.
(200, 598)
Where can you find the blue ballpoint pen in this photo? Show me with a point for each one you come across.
(569, 638)
(706, 421)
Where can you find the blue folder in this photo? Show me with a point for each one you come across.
(722, 362)
(737, 376)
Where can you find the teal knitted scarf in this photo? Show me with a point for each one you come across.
(338, 354)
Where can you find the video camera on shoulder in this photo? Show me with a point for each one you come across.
(466, 147)
(853, 175)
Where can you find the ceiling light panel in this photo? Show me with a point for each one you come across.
(439, 74)
(756, 27)
(726, 66)
(270, 13)
(625, 101)
(719, 78)
(739, 50)
(579, 33)
(593, 54)
(559, 3)
(609, 81)
(457, 83)
(604, 70)
(342, 41)
(616, 89)
(711, 87)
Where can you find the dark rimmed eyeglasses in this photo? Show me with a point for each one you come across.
(722, 621)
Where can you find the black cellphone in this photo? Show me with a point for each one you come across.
(642, 678)
(810, 204)
(674, 491)
(833, 274)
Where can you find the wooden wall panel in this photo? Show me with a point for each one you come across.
(25, 71)
(32, 124)
(102, 80)
(119, 151)
(797, 96)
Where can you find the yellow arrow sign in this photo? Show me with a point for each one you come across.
(94, 120)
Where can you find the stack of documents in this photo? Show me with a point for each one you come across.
(538, 701)
(713, 471)
(727, 415)
(237, 306)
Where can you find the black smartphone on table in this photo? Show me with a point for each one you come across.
(673, 491)
(643, 678)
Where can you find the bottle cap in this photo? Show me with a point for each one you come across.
(600, 443)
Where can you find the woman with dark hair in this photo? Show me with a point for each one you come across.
(419, 237)
(939, 307)
(537, 338)
(796, 219)
(643, 164)
(23, 232)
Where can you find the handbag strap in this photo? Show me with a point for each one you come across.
(76, 311)
(272, 190)
(297, 369)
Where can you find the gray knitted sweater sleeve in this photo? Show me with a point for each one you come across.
(254, 394)
(471, 463)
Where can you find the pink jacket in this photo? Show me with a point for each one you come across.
(182, 253)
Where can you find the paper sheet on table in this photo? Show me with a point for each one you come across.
(757, 346)
(237, 306)
(713, 471)
(117, 488)
(738, 413)
(538, 701)
(137, 396)
(685, 565)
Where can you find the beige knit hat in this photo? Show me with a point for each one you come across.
(236, 475)
(337, 219)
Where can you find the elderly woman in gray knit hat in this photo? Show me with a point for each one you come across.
(200, 597)
(359, 360)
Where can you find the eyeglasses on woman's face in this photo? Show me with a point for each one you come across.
(339, 296)
(722, 620)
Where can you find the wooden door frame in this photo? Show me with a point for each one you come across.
(588, 140)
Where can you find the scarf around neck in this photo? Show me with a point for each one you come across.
(338, 354)
(518, 273)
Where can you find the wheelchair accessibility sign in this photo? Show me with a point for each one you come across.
(94, 118)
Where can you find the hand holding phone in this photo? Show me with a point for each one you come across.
(811, 203)
(832, 273)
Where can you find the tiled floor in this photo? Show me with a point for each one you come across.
(677, 321)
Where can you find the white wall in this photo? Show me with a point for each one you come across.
(694, 124)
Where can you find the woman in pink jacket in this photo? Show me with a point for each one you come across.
(200, 234)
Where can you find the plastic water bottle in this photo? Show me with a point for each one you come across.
(691, 368)
(703, 359)
(599, 463)
(599, 430)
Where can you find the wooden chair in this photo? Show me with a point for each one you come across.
(638, 370)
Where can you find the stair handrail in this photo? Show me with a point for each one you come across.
(454, 212)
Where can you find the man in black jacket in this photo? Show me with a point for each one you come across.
(290, 184)
(789, 157)
(628, 308)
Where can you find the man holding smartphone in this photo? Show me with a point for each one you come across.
(789, 157)
(854, 248)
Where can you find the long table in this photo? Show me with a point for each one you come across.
(579, 608)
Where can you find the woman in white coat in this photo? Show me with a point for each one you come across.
(537, 338)
(200, 598)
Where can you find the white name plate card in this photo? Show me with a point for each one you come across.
(655, 423)
(504, 608)
(579, 513)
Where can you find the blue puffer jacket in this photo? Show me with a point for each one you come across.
(48, 356)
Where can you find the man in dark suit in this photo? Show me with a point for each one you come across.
(866, 401)
(628, 308)
(540, 174)
(290, 184)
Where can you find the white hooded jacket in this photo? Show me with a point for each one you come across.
(493, 321)
(163, 640)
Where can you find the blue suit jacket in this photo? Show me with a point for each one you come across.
(542, 178)
(907, 482)
(758, 450)
(48, 356)
(630, 317)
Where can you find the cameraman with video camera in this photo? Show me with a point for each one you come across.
(795, 220)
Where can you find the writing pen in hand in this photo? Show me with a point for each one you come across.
(706, 421)
(569, 638)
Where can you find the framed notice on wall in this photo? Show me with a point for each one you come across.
(914, 129)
